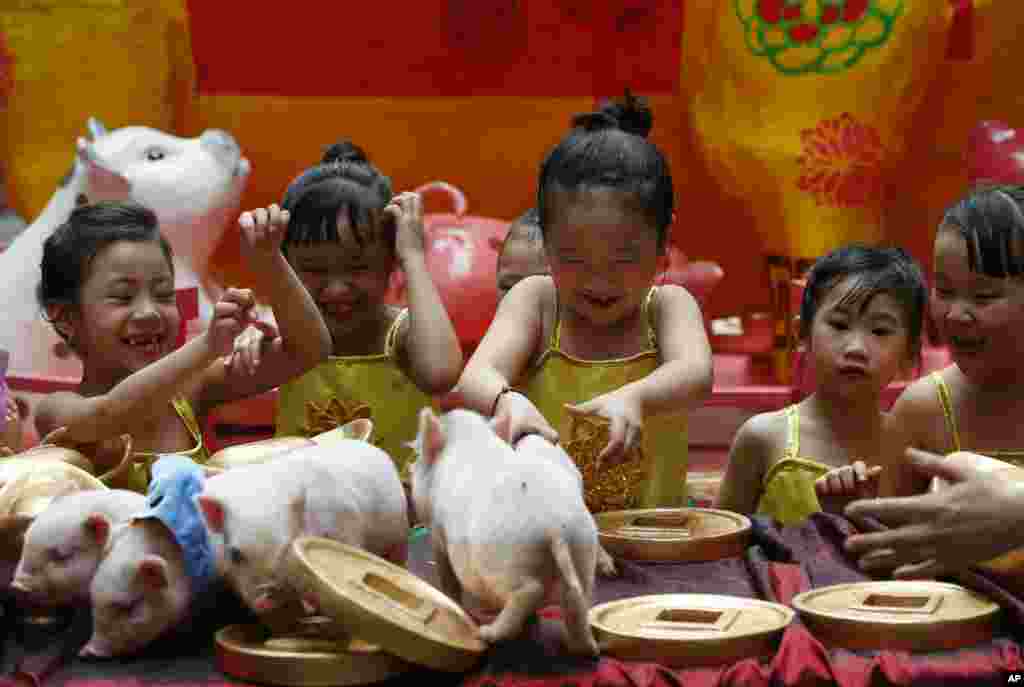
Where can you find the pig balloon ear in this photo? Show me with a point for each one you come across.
(431, 435)
(213, 512)
(98, 527)
(153, 572)
(502, 424)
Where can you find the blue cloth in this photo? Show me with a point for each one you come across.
(171, 499)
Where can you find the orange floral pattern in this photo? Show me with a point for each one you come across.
(841, 162)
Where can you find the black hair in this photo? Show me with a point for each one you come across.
(526, 227)
(877, 269)
(991, 220)
(71, 248)
(345, 178)
(609, 149)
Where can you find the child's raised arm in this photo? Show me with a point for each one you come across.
(145, 394)
(429, 348)
(304, 338)
(748, 460)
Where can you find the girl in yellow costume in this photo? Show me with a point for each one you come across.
(977, 305)
(862, 315)
(596, 332)
(108, 288)
(347, 237)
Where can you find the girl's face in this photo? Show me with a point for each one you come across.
(856, 348)
(603, 253)
(980, 317)
(128, 314)
(347, 280)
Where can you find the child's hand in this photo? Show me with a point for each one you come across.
(839, 486)
(626, 418)
(980, 516)
(524, 418)
(231, 315)
(251, 344)
(263, 231)
(406, 211)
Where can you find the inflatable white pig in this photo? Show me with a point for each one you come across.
(193, 184)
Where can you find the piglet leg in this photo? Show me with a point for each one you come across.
(522, 604)
(450, 584)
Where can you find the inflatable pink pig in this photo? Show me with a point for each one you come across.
(462, 257)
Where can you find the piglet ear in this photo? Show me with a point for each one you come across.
(97, 526)
(153, 572)
(431, 437)
(213, 512)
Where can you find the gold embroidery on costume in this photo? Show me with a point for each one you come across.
(332, 414)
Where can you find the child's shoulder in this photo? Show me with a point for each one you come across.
(765, 430)
(532, 296)
(923, 394)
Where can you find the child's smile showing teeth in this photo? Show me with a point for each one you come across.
(600, 301)
(149, 344)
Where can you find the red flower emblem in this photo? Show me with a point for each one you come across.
(842, 162)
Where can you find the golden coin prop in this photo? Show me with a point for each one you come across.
(46, 452)
(684, 630)
(1009, 564)
(247, 652)
(255, 452)
(385, 604)
(673, 534)
(360, 429)
(609, 486)
(28, 486)
(914, 615)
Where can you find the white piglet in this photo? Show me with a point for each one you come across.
(348, 491)
(155, 567)
(508, 525)
(65, 542)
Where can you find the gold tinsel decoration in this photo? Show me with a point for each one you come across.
(334, 413)
(608, 486)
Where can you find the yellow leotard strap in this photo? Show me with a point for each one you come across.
(947, 408)
(391, 340)
(946, 399)
(792, 449)
(188, 418)
(646, 310)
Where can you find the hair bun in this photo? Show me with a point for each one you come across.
(595, 121)
(344, 151)
(632, 114)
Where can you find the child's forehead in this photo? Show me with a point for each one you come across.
(346, 247)
(594, 202)
(130, 257)
(852, 295)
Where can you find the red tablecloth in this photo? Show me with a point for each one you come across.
(779, 564)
